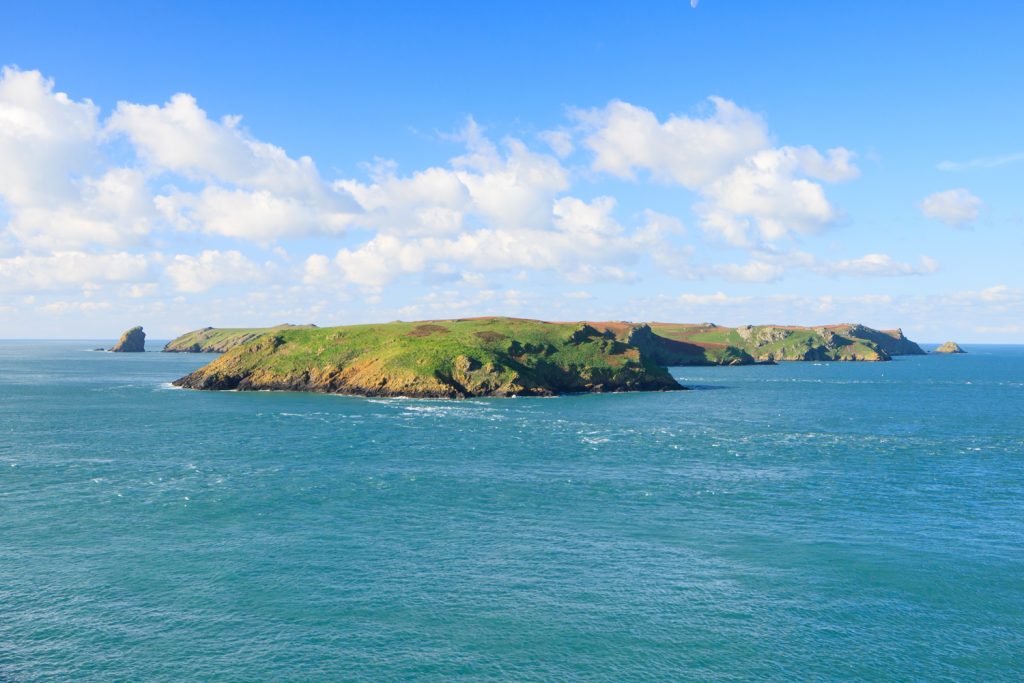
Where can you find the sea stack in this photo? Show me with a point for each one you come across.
(132, 341)
(949, 347)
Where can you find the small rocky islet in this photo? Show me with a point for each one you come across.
(474, 357)
(132, 341)
(949, 347)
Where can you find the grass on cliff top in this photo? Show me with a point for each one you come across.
(221, 338)
(425, 348)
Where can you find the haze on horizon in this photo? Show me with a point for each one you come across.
(182, 165)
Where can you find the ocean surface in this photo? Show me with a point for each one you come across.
(806, 521)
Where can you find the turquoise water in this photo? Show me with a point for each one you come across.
(804, 521)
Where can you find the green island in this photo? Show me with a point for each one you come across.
(496, 356)
(437, 359)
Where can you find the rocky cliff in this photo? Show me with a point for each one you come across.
(132, 341)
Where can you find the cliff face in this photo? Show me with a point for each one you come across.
(132, 341)
(437, 359)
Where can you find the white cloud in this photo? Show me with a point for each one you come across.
(580, 240)
(878, 265)
(52, 180)
(716, 299)
(491, 209)
(253, 189)
(753, 271)
(560, 142)
(259, 215)
(64, 307)
(957, 207)
(179, 137)
(771, 266)
(211, 268)
(510, 188)
(689, 151)
(66, 270)
(981, 162)
(997, 294)
(763, 196)
(750, 190)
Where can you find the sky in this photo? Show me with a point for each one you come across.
(178, 165)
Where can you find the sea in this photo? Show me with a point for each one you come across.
(796, 522)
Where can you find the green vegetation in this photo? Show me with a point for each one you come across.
(220, 340)
(443, 358)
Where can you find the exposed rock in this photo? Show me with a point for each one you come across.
(949, 347)
(132, 341)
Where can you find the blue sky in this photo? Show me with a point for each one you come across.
(798, 162)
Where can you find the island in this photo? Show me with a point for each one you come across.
(458, 358)
(132, 341)
(672, 344)
(949, 347)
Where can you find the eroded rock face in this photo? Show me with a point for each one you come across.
(950, 347)
(132, 341)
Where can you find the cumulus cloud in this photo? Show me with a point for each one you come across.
(750, 190)
(626, 138)
(492, 208)
(65, 270)
(253, 189)
(956, 208)
(52, 180)
(211, 268)
(79, 192)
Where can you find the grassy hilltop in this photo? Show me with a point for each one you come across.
(444, 358)
(221, 339)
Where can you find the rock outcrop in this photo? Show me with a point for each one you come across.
(132, 341)
(949, 347)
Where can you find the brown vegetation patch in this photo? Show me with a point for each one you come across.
(490, 337)
(427, 330)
